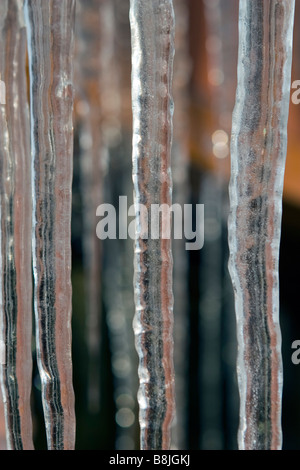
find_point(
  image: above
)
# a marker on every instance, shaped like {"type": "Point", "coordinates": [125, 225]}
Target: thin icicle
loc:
{"type": "Point", "coordinates": [258, 148]}
{"type": "Point", "coordinates": [50, 43]}
{"type": "Point", "coordinates": [15, 233]}
{"type": "Point", "coordinates": [152, 32]}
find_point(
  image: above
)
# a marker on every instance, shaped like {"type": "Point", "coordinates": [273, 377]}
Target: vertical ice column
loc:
{"type": "Point", "coordinates": [258, 148]}
{"type": "Point", "coordinates": [152, 30]}
{"type": "Point", "coordinates": [15, 233]}
{"type": "Point", "coordinates": [50, 44]}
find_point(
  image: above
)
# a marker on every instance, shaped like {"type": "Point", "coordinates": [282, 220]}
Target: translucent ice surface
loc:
{"type": "Point", "coordinates": [152, 32]}
{"type": "Point", "coordinates": [15, 233]}
{"type": "Point", "coordinates": [258, 152]}
{"type": "Point", "coordinates": [50, 47]}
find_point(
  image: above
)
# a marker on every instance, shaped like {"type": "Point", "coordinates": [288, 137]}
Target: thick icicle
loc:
{"type": "Point", "coordinates": [152, 32]}
{"type": "Point", "coordinates": [50, 40]}
{"type": "Point", "coordinates": [15, 233]}
{"type": "Point", "coordinates": [258, 150]}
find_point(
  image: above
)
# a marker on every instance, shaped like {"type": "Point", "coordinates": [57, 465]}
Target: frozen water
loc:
{"type": "Point", "coordinates": [50, 47]}
{"type": "Point", "coordinates": [258, 152]}
{"type": "Point", "coordinates": [152, 32]}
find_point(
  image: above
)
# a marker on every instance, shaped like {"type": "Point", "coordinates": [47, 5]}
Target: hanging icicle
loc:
{"type": "Point", "coordinates": [15, 233]}
{"type": "Point", "coordinates": [152, 32]}
{"type": "Point", "coordinates": [258, 148]}
{"type": "Point", "coordinates": [50, 46]}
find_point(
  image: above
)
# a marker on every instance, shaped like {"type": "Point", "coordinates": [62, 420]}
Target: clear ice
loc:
{"type": "Point", "coordinates": [152, 33]}
{"type": "Point", "coordinates": [15, 233]}
{"type": "Point", "coordinates": [50, 29]}
{"type": "Point", "coordinates": [258, 153]}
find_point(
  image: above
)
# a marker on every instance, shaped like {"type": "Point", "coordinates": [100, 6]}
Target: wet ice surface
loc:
{"type": "Point", "coordinates": [50, 44]}
{"type": "Point", "coordinates": [152, 32]}
{"type": "Point", "coordinates": [258, 152]}
{"type": "Point", "coordinates": [15, 207]}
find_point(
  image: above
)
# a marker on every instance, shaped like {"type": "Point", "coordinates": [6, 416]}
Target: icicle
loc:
{"type": "Point", "coordinates": [258, 148]}
{"type": "Point", "coordinates": [152, 29]}
{"type": "Point", "coordinates": [15, 233]}
{"type": "Point", "coordinates": [181, 195]}
{"type": "Point", "coordinates": [50, 44]}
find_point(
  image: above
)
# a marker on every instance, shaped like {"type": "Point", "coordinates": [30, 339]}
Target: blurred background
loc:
{"type": "Point", "coordinates": [104, 356]}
